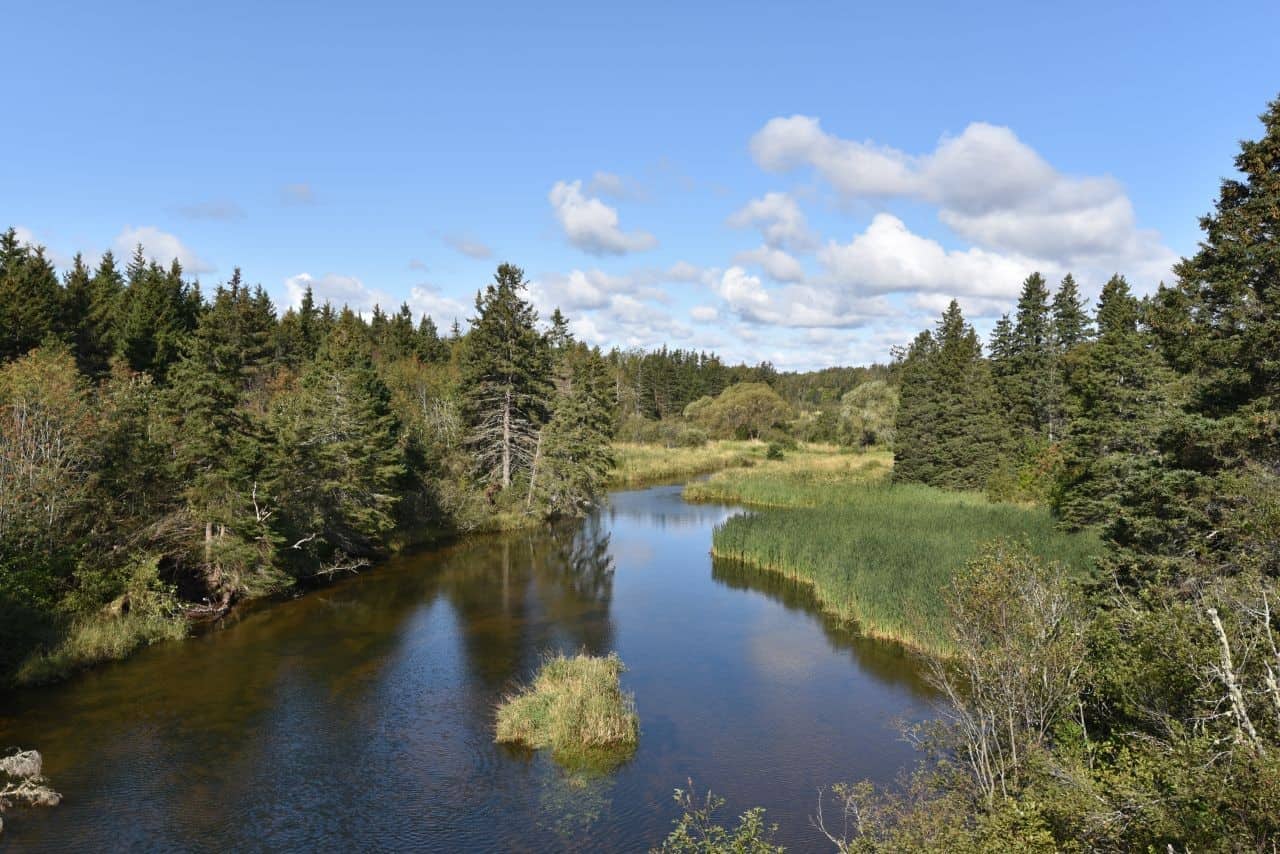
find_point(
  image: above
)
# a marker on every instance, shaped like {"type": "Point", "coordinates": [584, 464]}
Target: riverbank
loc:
{"type": "Point", "coordinates": [879, 554]}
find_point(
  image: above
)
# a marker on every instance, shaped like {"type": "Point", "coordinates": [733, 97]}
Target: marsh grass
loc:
{"type": "Point", "coordinates": [875, 553]}
{"type": "Point", "coordinates": [576, 708]}
{"type": "Point", "coordinates": [636, 464]}
{"type": "Point", "coordinates": [100, 638]}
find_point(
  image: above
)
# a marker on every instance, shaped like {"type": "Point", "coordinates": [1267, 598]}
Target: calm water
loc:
{"type": "Point", "coordinates": [359, 717]}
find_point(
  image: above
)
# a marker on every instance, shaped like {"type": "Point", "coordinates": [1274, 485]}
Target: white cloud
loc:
{"type": "Point", "coordinates": [161, 246]}
{"type": "Point", "coordinates": [854, 168]}
{"type": "Point", "coordinates": [889, 258]}
{"type": "Point", "coordinates": [443, 309]}
{"type": "Point", "coordinates": [780, 266]}
{"type": "Point", "coordinates": [990, 188]}
{"type": "Point", "coordinates": [795, 305]}
{"type": "Point", "coordinates": [339, 290]}
{"type": "Point", "coordinates": [468, 246]}
{"type": "Point", "coordinates": [28, 237]}
{"type": "Point", "coordinates": [591, 225]}
{"type": "Point", "coordinates": [704, 313]}
{"type": "Point", "coordinates": [780, 220]}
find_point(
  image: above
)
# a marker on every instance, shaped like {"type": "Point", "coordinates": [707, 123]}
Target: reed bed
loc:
{"type": "Point", "coordinates": [878, 554]}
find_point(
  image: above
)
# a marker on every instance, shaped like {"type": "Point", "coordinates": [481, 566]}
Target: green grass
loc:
{"type": "Point", "coordinates": [879, 554]}
{"type": "Point", "coordinates": [97, 639]}
{"type": "Point", "coordinates": [575, 707]}
{"type": "Point", "coordinates": [636, 464]}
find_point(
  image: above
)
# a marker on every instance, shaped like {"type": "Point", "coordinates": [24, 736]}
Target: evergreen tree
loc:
{"type": "Point", "coordinates": [30, 299]}
{"type": "Point", "coordinates": [429, 346]}
{"type": "Point", "coordinates": [156, 316]}
{"type": "Point", "coordinates": [340, 460]}
{"type": "Point", "coordinates": [574, 453]}
{"type": "Point", "coordinates": [948, 429]}
{"type": "Point", "coordinates": [1118, 393]}
{"type": "Point", "coordinates": [108, 289]}
{"type": "Point", "coordinates": [506, 379]}
{"type": "Point", "coordinates": [1030, 380]}
{"type": "Point", "coordinates": [1219, 324]}
{"type": "Point", "coordinates": [1071, 323]}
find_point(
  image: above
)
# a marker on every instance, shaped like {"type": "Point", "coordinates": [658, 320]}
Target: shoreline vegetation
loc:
{"type": "Point", "coordinates": [639, 464]}
{"type": "Point", "coordinates": [878, 554]}
{"type": "Point", "coordinates": [576, 708]}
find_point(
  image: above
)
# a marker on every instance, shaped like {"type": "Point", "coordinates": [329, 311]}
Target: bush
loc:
{"type": "Point", "coordinates": [774, 452]}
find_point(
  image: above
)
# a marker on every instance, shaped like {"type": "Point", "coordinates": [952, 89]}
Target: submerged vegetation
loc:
{"type": "Point", "coordinates": [575, 707]}
{"type": "Point", "coordinates": [875, 552]}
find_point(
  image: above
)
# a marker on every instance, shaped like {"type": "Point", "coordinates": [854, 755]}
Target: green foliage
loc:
{"type": "Point", "coordinates": [696, 831]}
{"type": "Point", "coordinates": [882, 555]}
{"type": "Point", "coordinates": [29, 297]}
{"type": "Point", "coordinates": [506, 380]}
{"type": "Point", "coordinates": [868, 413]}
{"type": "Point", "coordinates": [948, 431]}
{"type": "Point", "coordinates": [774, 451]}
{"type": "Point", "coordinates": [742, 411]}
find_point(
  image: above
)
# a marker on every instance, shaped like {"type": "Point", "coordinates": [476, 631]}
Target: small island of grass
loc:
{"type": "Point", "coordinates": [575, 707]}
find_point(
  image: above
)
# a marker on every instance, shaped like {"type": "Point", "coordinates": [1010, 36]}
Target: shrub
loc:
{"type": "Point", "coordinates": [774, 452]}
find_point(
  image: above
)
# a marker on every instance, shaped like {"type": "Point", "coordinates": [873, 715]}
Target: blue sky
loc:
{"type": "Point", "coordinates": [806, 183]}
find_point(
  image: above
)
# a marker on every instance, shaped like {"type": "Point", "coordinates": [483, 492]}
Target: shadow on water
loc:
{"type": "Point", "coordinates": [360, 716]}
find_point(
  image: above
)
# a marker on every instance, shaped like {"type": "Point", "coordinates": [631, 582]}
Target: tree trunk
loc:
{"type": "Point", "coordinates": [533, 472]}
{"type": "Point", "coordinates": [506, 441]}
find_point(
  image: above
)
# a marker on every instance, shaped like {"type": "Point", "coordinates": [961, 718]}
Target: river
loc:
{"type": "Point", "coordinates": [359, 716]}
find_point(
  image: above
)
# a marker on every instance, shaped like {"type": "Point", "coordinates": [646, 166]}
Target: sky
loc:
{"type": "Point", "coordinates": [803, 183]}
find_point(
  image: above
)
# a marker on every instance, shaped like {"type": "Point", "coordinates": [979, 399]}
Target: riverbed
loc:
{"type": "Point", "coordinates": [360, 716]}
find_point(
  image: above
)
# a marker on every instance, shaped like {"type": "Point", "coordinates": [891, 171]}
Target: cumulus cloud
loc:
{"type": "Point", "coordinates": [468, 246]}
{"type": "Point", "coordinates": [339, 290]}
{"type": "Point", "coordinates": [297, 194]}
{"type": "Point", "coordinates": [214, 209]}
{"type": "Point", "coordinates": [795, 305]}
{"type": "Point", "coordinates": [442, 308]}
{"type": "Point", "coordinates": [28, 237]}
{"type": "Point", "coordinates": [591, 225]}
{"type": "Point", "coordinates": [161, 246]}
{"type": "Point", "coordinates": [889, 258]}
{"type": "Point", "coordinates": [704, 313]}
{"type": "Point", "coordinates": [780, 220]}
{"type": "Point", "coordinates": [780, 266]}
{"type": "Point", "coordinates": [990, 188]}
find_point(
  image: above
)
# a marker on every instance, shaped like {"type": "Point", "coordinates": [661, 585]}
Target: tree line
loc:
{"type": "Point", "coordinates": [163, 455]}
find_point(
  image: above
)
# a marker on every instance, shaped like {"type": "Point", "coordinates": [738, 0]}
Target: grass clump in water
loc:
{"type": "Point", "coordinates": [576, 708]}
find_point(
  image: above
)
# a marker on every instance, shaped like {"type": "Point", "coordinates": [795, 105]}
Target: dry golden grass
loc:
{"type": "Point", "coordinates": [576, 708]}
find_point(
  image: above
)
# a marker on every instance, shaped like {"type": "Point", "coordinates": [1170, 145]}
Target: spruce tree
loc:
{"type": "Point", "coordinates": [574, 453]}
{"type": "Point", "coordinates": [1071, 323]}
{"type": "Point", "coordinates": [1220, 325]}
{"type": "Point", "coordinates": [340, 461]}
{"type": "Point", "coordinates": [30, 298]}
{"type": "Point", "coordinates": [506, 379]}
{"type": "Point", "coordinates": [948, 428]}
{"type": "Point", "coordinates": [1118, 393]}
{"type": "Point", "coordinates": [1032, 363]}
